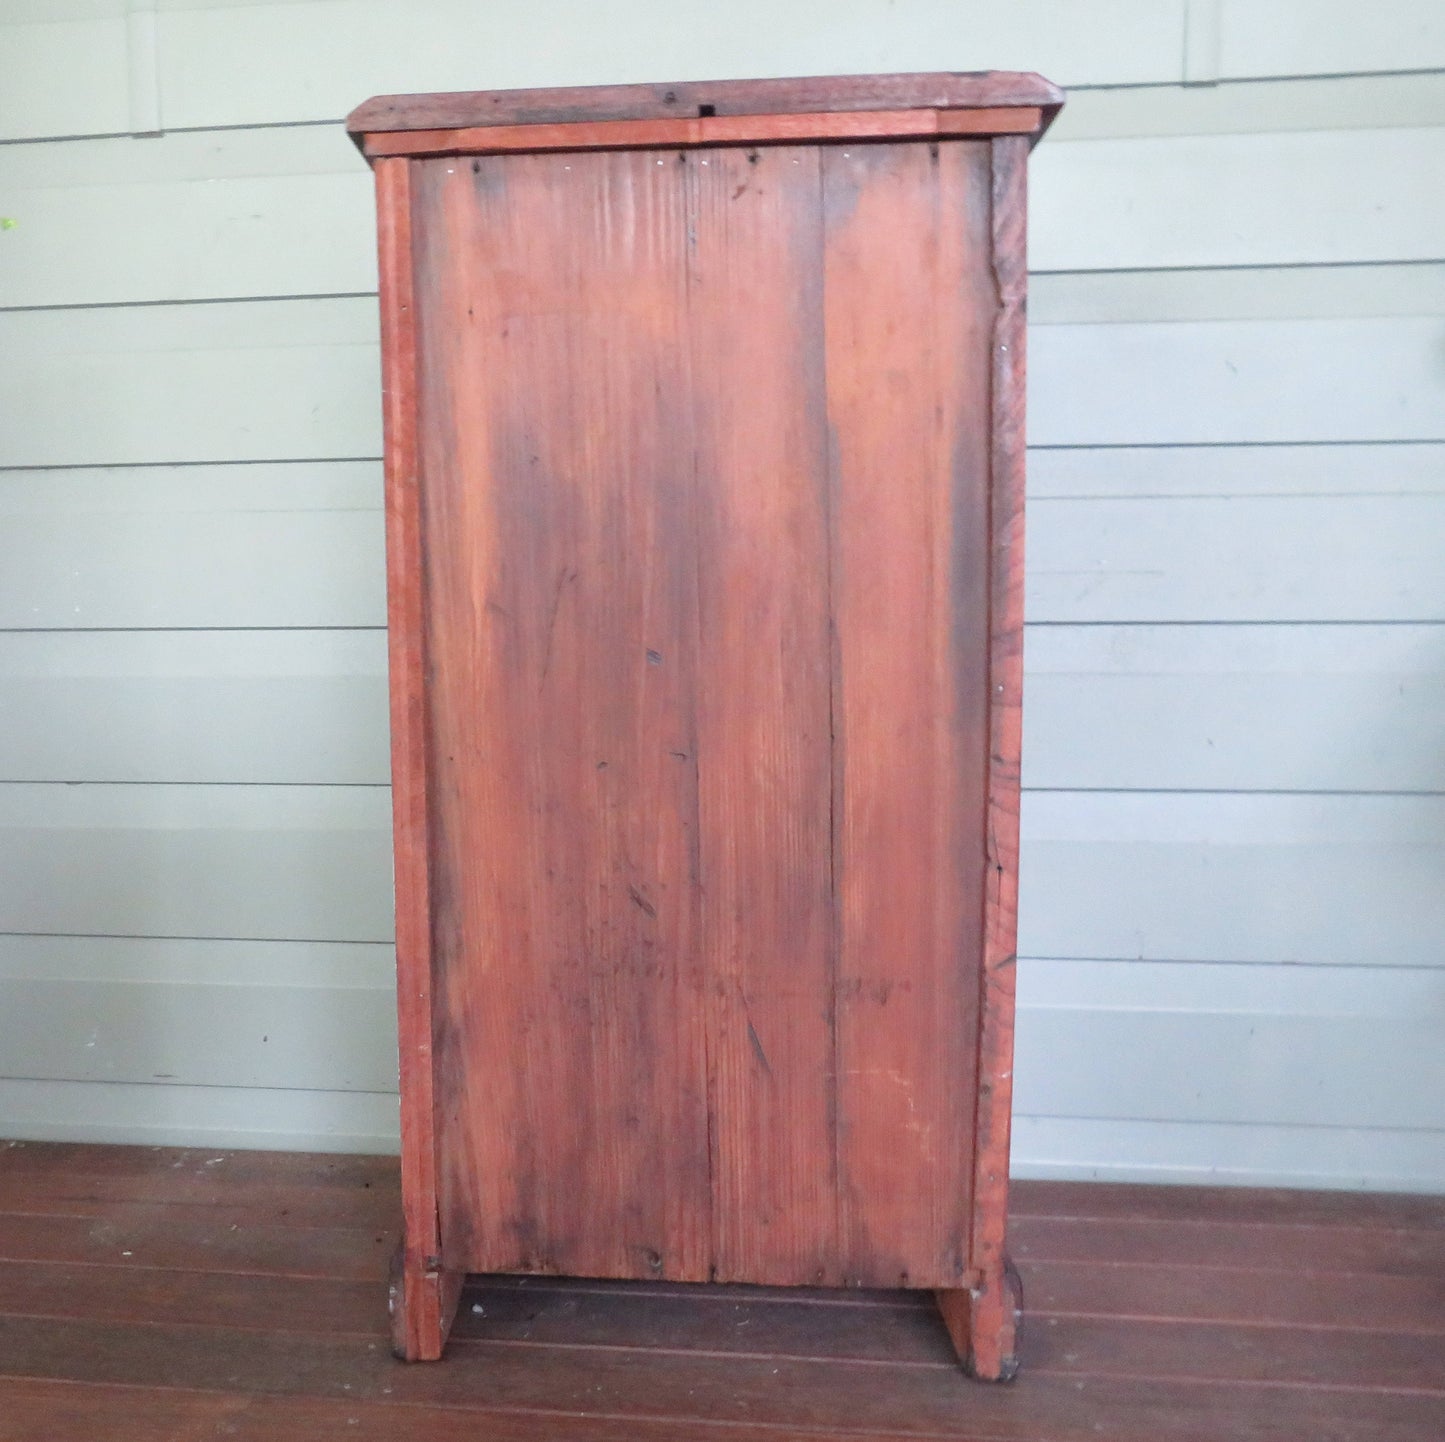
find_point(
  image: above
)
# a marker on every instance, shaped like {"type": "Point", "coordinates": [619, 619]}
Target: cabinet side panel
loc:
{"type": "Point", "coordinates": [556, 435]}
{"type": "Point", "coordinates": [755, 312]}
{"type": "Point", "coordinates": [405, 641]}
{"type": "Point", "coordinates": [1005, 692]}
{"type": "Point", "coordinates": [908, 298]}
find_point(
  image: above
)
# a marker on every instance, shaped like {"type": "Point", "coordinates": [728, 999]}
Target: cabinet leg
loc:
{"type": "Point", "coordinates": [983, 1324]}
{"type": "Point", "coordinates": [423, 1304]}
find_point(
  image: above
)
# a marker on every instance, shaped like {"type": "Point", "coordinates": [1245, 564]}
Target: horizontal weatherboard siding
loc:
{"type": "Point", "coordinates": [288, 211]}
{"type": "Point", "coordinates": [162, 1112]}
{"type": "Point", "coordinates": [1166, 708]}
{"type": "Point", "coordinates": [1157, 557]}
{"type": "Point", "coordinates": [1235, 662]}
{"type": "Point", "coordinates": [1299, 558]}
{"type": "Point", "coordinates": [1300, 1048]}
{"type": "Point", "coordinates": [1267, 878]}
{"type": "Point", "coordinates": [216, 63]}
{"type": "Point", "coordinates": [1352, 707]}
{"type": "Point", "coordinates": [300, 863]}
{"type": "Point", "coordinates": [1104, 874]}
{"type": "Point", "coordinates": [184, 383]}
{"type": "Point", "coordinates": [297, 706]}
{"type": "Point", "coordinates": [340, 1039]}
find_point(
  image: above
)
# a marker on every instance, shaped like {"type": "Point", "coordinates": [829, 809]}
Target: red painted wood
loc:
{"type": "Point", "coordinates": [689, 99]}
{"type": "Point", "coordinates": [907, 280]}
{"type": "Point", "coordinates": [419, 1328]}
{"type": "Point", "coordinates": [762, 732]}
{"type": "Point", "coordinates": [705, 131]}
{"type": "Point", "coordinates": [705, 468]}
{"type": "Point", "coordinates": [561, 621]}
{"type": "Point", "coordinates": [994, 1301]}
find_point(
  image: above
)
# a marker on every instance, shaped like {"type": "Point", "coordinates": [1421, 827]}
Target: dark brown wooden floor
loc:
{"type": "Point", "coordinates": [178, 1295]}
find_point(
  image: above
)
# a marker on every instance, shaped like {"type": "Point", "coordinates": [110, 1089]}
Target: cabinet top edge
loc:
{"type": "Point", "coordinates": [690, 99]}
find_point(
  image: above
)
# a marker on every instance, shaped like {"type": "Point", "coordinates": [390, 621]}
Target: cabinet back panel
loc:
{"type": "Point", "coordinates": [703, 454]}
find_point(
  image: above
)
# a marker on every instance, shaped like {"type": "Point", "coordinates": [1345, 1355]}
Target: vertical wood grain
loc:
{"type": "Point", "coordinates": [992, 1320]}
{"type": "Point", "coordinates": [707, 542]}
{"type": "Point", "coordinates": [418, 1321]}
{"type": "Point", "coordinates": [563, 624]}
{"type": "Point", "coordinates": [755, 317]}
{"type": "Point", "coordinates": [908, 295]}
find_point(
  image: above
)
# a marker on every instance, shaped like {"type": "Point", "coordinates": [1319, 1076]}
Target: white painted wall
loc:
{"type": "Point", "coordinates": [1233, 928]}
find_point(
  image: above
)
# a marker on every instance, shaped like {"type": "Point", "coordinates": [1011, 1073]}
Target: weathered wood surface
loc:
{"type": "Point", "coordinates": [594, 104]}
{"type": "Point", "coordinates": [706, 131]}
{"type": "Point", "coordinates": [909, 307]}
{"type": "Point", "coordinates": [422, 1300]}
{"type": "Point", "coordinates": [995, 1301]}
{"type": "Point", "coordinates": [708, 657]}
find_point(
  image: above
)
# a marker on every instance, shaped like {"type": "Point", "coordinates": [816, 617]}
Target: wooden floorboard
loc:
{"type": "Point", "coordinates": [1244, 1205]}
{"type": "Point", "coordinates": [150, 1237]}
{"type": "Point", "coordinates": [149, 1294]}
{"type": "Point", "coordinates": [1377, 1250]}
{"type": "Point", "coordinates": [1251, 1298]}
{"type": "Point", "coordinates": [144, 1296]}
{"type": "Point", "coordinates": [294, 1189]}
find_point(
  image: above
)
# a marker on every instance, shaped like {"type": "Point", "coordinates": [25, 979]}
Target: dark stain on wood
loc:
{"type": "Point", "coordinates": [802, 96]}
{"type": "Point", "coordinates": [705, 473]}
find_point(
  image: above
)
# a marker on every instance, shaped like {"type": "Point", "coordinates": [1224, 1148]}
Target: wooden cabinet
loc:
{"type": "Point", "coordinates": [704, 475]}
